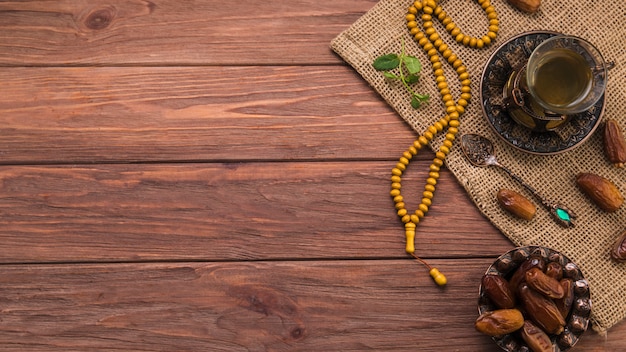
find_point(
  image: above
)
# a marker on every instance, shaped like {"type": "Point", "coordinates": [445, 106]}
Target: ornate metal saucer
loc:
{"type": "Point", "coordinates": [506, 59]}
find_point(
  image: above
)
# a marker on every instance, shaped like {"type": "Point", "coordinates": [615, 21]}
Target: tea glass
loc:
{"type": "Point", "coordinates": [566, 75]}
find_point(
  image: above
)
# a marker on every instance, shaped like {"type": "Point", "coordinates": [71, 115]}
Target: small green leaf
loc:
{"type": "Point", "coordinates": [390, 75]}
{"type": "Point", "coordinates": [386, 62]}
{"type": "Point", "coordinates": [413, 65]}
{"type": "Point", "coordinates": [415, 102]}
{"type": "Point", "coordinates": [410, 79]}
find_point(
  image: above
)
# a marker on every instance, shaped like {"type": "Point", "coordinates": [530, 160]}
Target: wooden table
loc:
{"type": "Point", "coordinates": [208, 175]}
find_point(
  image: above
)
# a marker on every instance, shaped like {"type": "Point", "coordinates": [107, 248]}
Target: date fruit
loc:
{"type": "Point", "coordinates": [520, 274]}
{"type": "Point", "coordinates": [600, 190]}
{"type": "Point", "coordinates": [497, 289]}
{"type": "Point", "coordinates": [544, 284]}
{"type": "Point", "coordinates": [565, 304]}
{"type": "Point", "coordinates": [541, 310]}
{"type": "Point", "coordinates": [516, 204]}
{"type": "Point", "coordinates": [499, 322]}
{"type": "Point", "coordinates": [619, 248]}
{"type": "Point", "coordinates": [530, 6]}
{"type": "Point", "coordinates": [555, 270]}
{"type": "Point", "coordinates": [614, 143]}
{"type": "Point", "coordinates": [535, 338]}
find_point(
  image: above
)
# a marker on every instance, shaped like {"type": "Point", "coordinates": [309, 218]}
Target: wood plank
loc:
{"type": "Point", "coordinates": [235, 211]}
{"type": "Point", "coordinates": [160, 32]}
{"type": "Point", "coordinates": [135, 114]}
{"type": "Point", "coordinates": [381, 305]}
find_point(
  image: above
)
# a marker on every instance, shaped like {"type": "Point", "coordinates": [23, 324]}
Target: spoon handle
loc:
{"type": "Point", "coordinates": [560, 213]}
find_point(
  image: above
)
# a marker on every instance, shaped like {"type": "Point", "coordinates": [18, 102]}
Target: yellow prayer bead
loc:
{"type": "Point", "coordinates": [433, 37]}
{"type": "Point", "coordinates": [485, 5]}
{"type": "Point", "coordinates": [464, 75]}
{"type": "Point", "coordinates": [423, 140]}
{"type": "Point", "coordinates": [450, 26]}
{"type": "Point", "coordinates": [394, 192]}
{"type": "Point", "coordinates": [434, 59]}
{"type": "Point", "coordinates": [440, 78]}
{"type": "Point", "coordinates": [444, 91]}
{"type": "Point", "coordinates": [427, 194]}
{"type": "Point", "coordinates": [480, 43]}
{"type": "Point", "coordinates": [427, 202]}
{"type": "Point", "coordinates": [416, 218]}
{"type": "Point", "coordinates": [406, 219]}
{"type": "Point", "coordinates": [407, 155]}
{"type": "Point", "coordinates": [438, 72]}
{"type": "Point", "coordinates": [436, 65]}
{"type": "Point", "coordinates": [432, 129]}
{"type": "Point", "coordinates": [466, 82]}
{"type": "Point", "coordinates": [486, 40]}
{"type": "Point", "coordinates": [427, 24]}
{"type": "Point", "coordinates": [494, 22]}
{"type": "Point", "coordinates": [440, 155]}
{"type": "Point", "coordinates": [457, 63]}
{"type": "Point", "coordinates": [419, 213]}
{"type": "Point", "coordinates": [399, 205]}
{"type": "Point", "coordinates": [442, 85]}
{"type": "Point", "coordinates": [446, 98]}
{"type": "Point", "coordinates": [427, 17]}
{"type": "Point", "coordinates": [430, 180]}
{"type": "Point", "coordinates": [460, 109]}
{"type": "Point", "coordinates": [455, 32]}
{"type": "Point", "coordinates": [466, 40]}
{"type": "Point", "coordinates": [438, 126]}
{"type": "Point", "coordinates": [398, 199]}
{"type": "Point", "coordinates": [410, 17]}
{"type": "Point", "coordinates": [402, 212]}
{"type": "Point", "coordinates": [411, 24]}
{"type": "Point", "coordinates": [443, 47]}
{"type": "Point", "coordinates": [434, 167]}
{"type": "Point", "coordinates": [451, 109]}
{"type": "Point", "coordinates": [459, 37]}
{"type": "Point", "coordinates": [429, 188]}
{"type": "Point", "coordinates": [429, 136]}
{"type": "Point", "coordinates": [412, 150]}
{"type": "Point", "coordinates": [472, 42]}
{"type": "Point", "coordinates": [432, 52]}
{"type": "Point", "coordinates": [461, 69]}
{"type": "Point", "coordinates": [454, 123]}
{"type": "Point", "coordinates": [435, 174]}
{"type": "Point", "coordinates": [492, 34]}
{"type": "Point", "coordinates": [447, 143]}
{"type": "Point", "coordinates": [453, 130]}
{"type": "Point", "coordinates": [423, 207]}
{"type": "Point", "coordinates": [492, 15]}
{"type": "Point", "coordinates": [450, 136]}
{"type": "Point", "coordinates": [396, 178]}
{"type": "Point", "coordinates": [400, 166]}
{"type": "Point", "coordinates": [430, 31]}
{"type": "Point", "coordinates": [397, 172]}
{"type": "Point", "coordinates": [423, 41]}
{"type": "Point", "coordinates": [446, 53]}
{"type": "Point", "coordinates": [428, 10]}
{"type": "Point", "coordinates": [452, 58]}
{"type": "Point", "coordinates": [462, 102]}
{"type": "Point", "coordinates": [494, 28]}
{"type": "Point", "coordinates": [404, 160]}
{"type": "Point", "coordinates": [444, 149]}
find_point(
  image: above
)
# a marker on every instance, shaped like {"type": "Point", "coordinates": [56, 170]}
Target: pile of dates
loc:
{"type": "Point", "coordinates": [534, 299]}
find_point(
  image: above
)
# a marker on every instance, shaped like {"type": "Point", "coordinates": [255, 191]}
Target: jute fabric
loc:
{"type": "Point", "coordinates": [382, 30]}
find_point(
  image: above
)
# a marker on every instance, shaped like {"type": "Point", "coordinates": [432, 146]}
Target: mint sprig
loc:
{"type": "Point", "coordinates": [404, 68]}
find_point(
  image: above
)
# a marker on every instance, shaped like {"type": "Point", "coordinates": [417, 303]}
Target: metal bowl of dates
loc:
{"type": "Point", "coordinates": [549, 291]}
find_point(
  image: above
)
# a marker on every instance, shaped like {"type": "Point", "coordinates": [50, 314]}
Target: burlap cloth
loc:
{"type": "Point", "coordinates": [380, 31]}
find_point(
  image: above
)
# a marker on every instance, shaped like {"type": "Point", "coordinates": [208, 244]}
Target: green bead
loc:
{"type": "Point", "coordinates": [563, 215]}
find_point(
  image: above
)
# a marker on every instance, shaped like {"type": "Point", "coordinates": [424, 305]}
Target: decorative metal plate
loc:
{"type": "Point", "coordinates": [509, 56]}
{"type": "Point", "coordinates": [577, 320]}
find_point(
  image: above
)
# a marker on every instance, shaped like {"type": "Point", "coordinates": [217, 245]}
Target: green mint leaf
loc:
{"type": "Point", "coordinates": [410, 79]}
{"type": "Point", "coordinates": [422, 97]}
{"type": "Point", "coordinates": [386, 62]}
{"type": "Point", "coordinates": [415, 102]}
{"type": "Point", "coordinates": [413, 65]}
{"type": "Point", "coordinates": [390, 75]}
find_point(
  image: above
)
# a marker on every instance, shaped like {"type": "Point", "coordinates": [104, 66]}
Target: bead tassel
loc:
{"type": "Point", "coordinates": [433, 45]}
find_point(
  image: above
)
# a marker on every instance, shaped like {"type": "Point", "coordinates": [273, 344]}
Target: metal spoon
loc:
{"type": "Point", "coordinates": [480, 152]}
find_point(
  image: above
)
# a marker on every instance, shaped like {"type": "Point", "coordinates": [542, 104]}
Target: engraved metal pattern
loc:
{"type": "Point", "coordinates": [511, 56]}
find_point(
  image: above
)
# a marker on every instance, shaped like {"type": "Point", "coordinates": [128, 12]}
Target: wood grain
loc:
{"type": "Point", "coordinates": [161, 32]}
{"type": "Point", "coordinates": [226, 212]}
{"type": "Point", "coordinates": [257, 306]}
{"type": "Point", "coordinates": [91, 115]}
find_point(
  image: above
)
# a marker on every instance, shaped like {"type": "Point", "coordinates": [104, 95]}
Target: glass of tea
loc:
{"type": "Point", "coordinates": [566, 75]}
